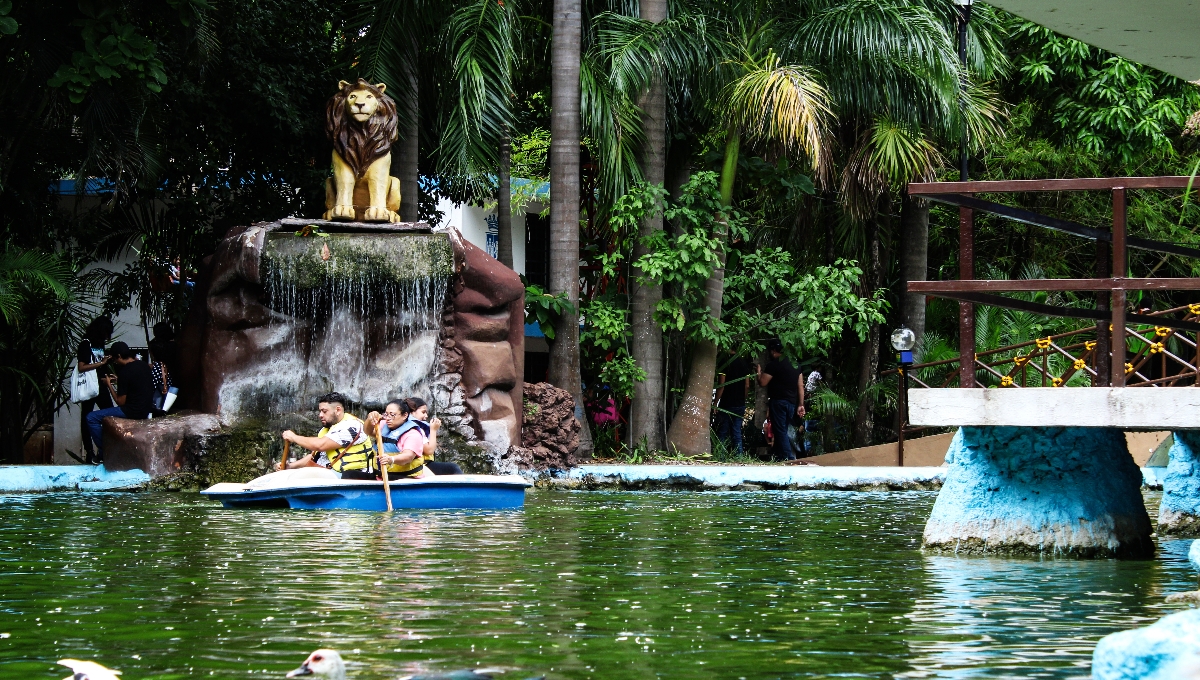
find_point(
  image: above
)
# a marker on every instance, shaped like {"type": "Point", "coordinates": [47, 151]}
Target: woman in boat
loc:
{"type": "Point", "coordinates": [419, 414]}
{"type": "Point", "coordinates": [401, 441]}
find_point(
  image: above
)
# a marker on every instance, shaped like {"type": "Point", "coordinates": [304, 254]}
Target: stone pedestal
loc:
{"type": "Point", "coordinates": [1179, 512]}
{"type": "Point", "coordinates": [1068, 491]}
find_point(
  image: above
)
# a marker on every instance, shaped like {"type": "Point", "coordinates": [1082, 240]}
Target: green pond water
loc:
{"type": "Point", "coordinates": [577, 585]}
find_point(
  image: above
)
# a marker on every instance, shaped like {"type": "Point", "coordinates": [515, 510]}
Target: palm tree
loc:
{"type": "Point", "coordinates": [646, 413]}
{"type": "Point", "coordinates": [565, 106]}
{"type": "Point", "coordinates": [768, 102]}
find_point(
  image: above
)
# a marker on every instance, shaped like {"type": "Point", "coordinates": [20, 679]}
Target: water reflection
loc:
{"type": "Point", "coordinates": [620, 585]}
{"type": "Point", "coordinates": [1028, 618]}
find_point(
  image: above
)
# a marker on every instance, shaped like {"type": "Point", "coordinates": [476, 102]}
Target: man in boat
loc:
{"type": "Point", "coordinates": [342, 445]}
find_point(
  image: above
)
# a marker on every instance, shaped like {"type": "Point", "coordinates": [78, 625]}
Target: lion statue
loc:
{"type": "Point", "coordinates": [360, 120]}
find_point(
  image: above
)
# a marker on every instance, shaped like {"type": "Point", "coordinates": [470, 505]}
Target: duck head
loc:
{"type": "Point", "coordinates": [87, 670]}
{"type": "Point", "coordinates": [323, 663]}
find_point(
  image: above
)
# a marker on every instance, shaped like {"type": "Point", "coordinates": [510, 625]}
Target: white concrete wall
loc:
{"type": "Point", "coordinates": [1126, 408]}
{"type": "Point", "coordinates": [472, 221]}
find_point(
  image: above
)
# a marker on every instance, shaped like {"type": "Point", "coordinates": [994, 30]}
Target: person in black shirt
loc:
{"type": "Point", "coordinates": [734, 383]}
{"type": "Point", "coordinates": [134, 394]}
{"type": "Point", "coordinates": [785, 397]}
{"type": "Point", "coordinates": [90, 356]}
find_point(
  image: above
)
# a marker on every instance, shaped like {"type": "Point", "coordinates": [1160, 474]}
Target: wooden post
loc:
{"type": "Point", "coordinates": [1103, 361]}
{"type": "Point", "coordinates": [966, 310]}
{"type": "Point", "coordinates": [1119, 270]}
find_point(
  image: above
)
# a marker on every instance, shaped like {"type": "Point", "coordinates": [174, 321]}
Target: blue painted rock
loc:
{"type": "Point", "coordinates": [1072, 491]}
{"type": "Point", "coordinates": [1179, 511]}
{"type": "Point", "coordinates": [1167, 650]}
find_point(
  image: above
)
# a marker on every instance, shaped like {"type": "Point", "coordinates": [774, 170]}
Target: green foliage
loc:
{"type": "Point", "coordinates": [26, 274]}
{"type": "Point", "coordinates": [545, 309]}
{"type": "Point", "coordinates": [1101, 103]}
{"type": "Point", "coordinates": [767, 296]}
{"type": "Point", "coordinates": [621, 373]}
{"type": "Point", "coordinates": [8, 25]}
{"type": "Point", "coordinates": [44, 314]}
{"type": "Point", "coordinates": [112, 48]}
{"type": "Point", "coordinates": [606, 324]}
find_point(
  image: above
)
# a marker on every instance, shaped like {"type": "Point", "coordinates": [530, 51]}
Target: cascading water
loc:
{"type": "Point", "coordinates": [355, 313]}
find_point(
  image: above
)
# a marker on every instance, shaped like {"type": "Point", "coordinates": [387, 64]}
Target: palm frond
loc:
{"type": "Point", "coordinates": [30, 267]}
{"type": "Point", "coordinates": [889, 155]}
{"type": "Point", "coordinates": [784, 104]}
{"type": "Point", "coordinates": [479, 41]}
{"type": "Point", "coordinates": [613, 123]}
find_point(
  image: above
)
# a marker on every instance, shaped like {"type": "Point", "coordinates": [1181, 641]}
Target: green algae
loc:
{"type": "Point", "coordinates": [397, 258]}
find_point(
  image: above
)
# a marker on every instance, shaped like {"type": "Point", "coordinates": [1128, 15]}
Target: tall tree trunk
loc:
{"type": "Point", "coordinates": [864, 418]}
{"type": "Point", "coordinates": [646, 413]}
{"type": "Point", "coordinates": [408, 146]}
{"type": "Point", "coordinates": [564, 203]}
{"type": "Point", "coordinates": [914, 259]}
{"type": "Point", "coordinates": [504, 239]}
{"type": "Point", "coordinates": [689, 433]}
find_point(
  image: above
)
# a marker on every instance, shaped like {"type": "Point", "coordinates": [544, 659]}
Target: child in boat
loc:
{"type": "Point", "coordinates": [419, 414]}
{"type": "Point", "coordinates": [401, 441]}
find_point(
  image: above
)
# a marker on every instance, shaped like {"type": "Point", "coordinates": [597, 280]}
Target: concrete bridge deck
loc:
{"type": "Point", "coordinates": [1124, 408]}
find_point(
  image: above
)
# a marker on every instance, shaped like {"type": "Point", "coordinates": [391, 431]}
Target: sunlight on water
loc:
{"type": "Point", "coordinates": [578, 585]}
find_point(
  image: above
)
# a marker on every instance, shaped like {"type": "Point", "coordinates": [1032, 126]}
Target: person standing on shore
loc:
{"type": "Point", "coordinates": [91, 357]}
{"type": "Point", "coordinates": [734, 384]}
{"type": "Point", "coordinates": [785, 398]}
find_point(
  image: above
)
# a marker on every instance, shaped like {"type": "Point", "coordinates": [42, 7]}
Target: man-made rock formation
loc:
{"type": "Point", "coordinates": [1167, 650]}
{"type": "Point", "coordinates": [189, 451]}
{"type": "Point", "coordinates": [286, 311]}
{"type": "Point", "coordinates": [1055, 490]}
{"type": "Point", "coordinates": [1179, 512]}
{"type": "Point", "coordinates": [550, 434]}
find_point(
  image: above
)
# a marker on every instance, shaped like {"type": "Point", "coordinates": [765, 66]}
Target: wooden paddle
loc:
{"type": "Point", "coordinates": [387, 487]}
{"type": "Point", "coordinates": [286, 448]}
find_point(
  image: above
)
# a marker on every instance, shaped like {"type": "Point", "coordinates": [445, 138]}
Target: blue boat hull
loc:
{"type": "Point", "coordinates": [459, 492]}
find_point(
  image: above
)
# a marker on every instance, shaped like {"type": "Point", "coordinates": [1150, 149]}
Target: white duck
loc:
{"type": "Point", "coordinates": [325, 664]}
{"type": "Point", "coordinates": [88, 670]}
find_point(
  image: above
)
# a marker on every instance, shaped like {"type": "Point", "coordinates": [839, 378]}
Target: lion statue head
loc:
{"type": "Point", "coordinates": [360, 120]}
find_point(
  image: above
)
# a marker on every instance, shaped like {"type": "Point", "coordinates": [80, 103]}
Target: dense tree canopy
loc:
{"type": "Point", "coordinates": [786, 135]}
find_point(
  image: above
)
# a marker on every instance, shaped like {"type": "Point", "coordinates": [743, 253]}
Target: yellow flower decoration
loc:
{"type": "Point", "coordinates": [1089, 345]}
{"type": "Point", "coordinates": [1194, 310]}
{"type": "Point", "coordinates": [1156, 348]}
{"type": "Point", "coordinates": [1043, 343]}
{"type": "Point", "coordinates": [1162, 331]}
{"type": "Point", "coordinates": [1006, 381]}
{"type": "Point", "coordinates": [1020, 361]}
{"type": "Point", "coordinates": [1080, 364]}
{"type": "Point", "coordinates": [1128, 368]}
{"type": "Point", "coordinates": [1057, 382]}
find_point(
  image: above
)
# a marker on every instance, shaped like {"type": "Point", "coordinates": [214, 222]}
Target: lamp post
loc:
{"type": "Point", "coordinates": [964, 18]}
{"type": "Point", "coordinates": [903, 340]}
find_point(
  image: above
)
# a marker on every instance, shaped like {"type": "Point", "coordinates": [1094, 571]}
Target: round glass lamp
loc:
{"type": "Point", "coordinates": [903, 339]}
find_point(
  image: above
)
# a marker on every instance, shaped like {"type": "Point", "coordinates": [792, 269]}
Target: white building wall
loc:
{"type": "Point", "coordinates": [472, 222]}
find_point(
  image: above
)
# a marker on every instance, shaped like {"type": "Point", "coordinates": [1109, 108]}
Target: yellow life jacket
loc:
{"type": "Point", "coordinates": [390, 445]}
{"type": "Point", "coordinates": [360, 456]}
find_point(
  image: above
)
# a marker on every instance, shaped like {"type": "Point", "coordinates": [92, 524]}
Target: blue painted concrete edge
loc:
{"type": "Point", "coordinates": [38, 478]}
{"type": "Point", "coordinates": [732, 475]}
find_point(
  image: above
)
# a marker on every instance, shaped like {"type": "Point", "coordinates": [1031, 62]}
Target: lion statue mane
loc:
{"type": "Point", "coordinates": [361, 122]}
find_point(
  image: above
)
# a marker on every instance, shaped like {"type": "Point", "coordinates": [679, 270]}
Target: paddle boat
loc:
{"type": "Point", "coordinates": [318, 488]}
